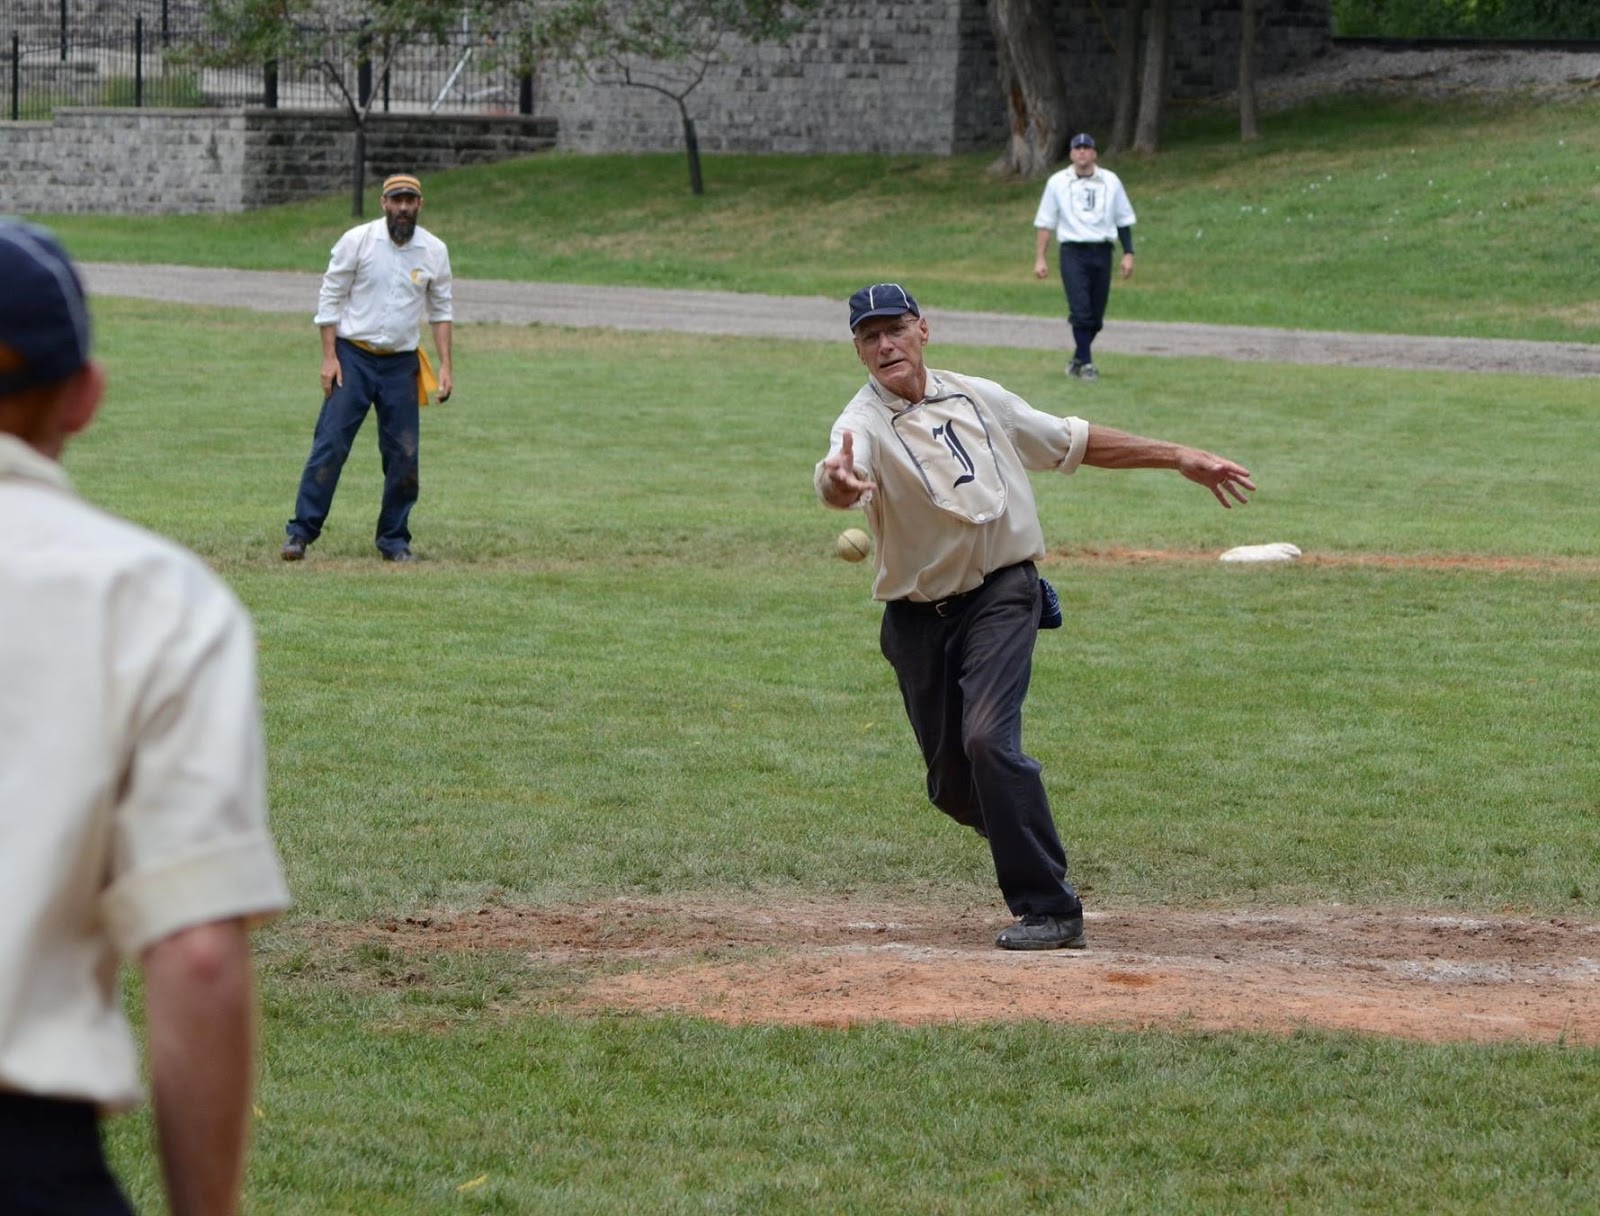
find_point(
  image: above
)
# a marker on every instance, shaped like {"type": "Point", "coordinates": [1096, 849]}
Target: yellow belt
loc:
{"type": "Point", "coordinates": [427, 382]}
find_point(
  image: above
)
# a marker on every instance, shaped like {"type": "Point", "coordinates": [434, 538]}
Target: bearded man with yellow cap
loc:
{"type": "Point", "coordinates": [383, 279]}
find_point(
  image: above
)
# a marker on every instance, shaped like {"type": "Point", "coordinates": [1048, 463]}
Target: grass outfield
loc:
{"type": "Point", "coordinates": [627, 664]}
{"type": "Point", "coordinates": [1461, 218]}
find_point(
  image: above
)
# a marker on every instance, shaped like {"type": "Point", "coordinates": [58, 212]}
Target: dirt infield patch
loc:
{"type": "Point", "coordinates": [838, 963]}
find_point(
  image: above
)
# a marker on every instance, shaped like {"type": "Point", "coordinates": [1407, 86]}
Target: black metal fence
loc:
{"type": "Point", "coordinates": [143, 53]}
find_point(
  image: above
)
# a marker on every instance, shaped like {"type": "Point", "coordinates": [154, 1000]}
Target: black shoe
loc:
{"type": "Point", "coordinates": [1035, 932]}
{"type": "Point", "coordinates": [294, 549]}
{"type": "Point", "coordinates": [398, 555]}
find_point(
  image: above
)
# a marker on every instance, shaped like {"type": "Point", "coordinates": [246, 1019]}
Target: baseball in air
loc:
{"type": "Point", "coordinates": [853, 544]}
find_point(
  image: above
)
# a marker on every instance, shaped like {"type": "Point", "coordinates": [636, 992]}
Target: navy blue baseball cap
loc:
{"type": "Point", "coordinates": [881, 300]}
{"type": "Point", "coordinates": [44, 319]}
{"type": "Point", "coordinates": [1083, 140]}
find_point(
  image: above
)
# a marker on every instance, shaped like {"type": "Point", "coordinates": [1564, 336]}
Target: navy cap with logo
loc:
{"type": "Point", "coordinates": [881, 300]}
{"type": "Point", "coordinates": [44, 320]}
{"type": "Point", "coordinates": [1083, 140]}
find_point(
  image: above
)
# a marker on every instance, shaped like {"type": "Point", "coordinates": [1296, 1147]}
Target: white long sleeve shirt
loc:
{"type": "Point", "coordinates": [379, 293]}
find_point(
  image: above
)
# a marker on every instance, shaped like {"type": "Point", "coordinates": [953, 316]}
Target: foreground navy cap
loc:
{"type": "Point", "coordinates": [1083, 140]}
{"type": "Point", "coordinates": [44, 322]}
{"type": "Point", "coordinates": [881, 300]}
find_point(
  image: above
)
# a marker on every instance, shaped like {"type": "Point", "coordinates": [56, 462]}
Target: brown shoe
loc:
{"type": "Point", "coordinates": [294, 549]}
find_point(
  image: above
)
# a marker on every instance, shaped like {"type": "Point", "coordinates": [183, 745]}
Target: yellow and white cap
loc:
{"type": "Point", "coordinates": [401, 183]}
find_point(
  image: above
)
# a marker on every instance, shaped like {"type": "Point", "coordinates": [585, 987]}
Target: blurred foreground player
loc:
{"type": "Point", "coordinates": [132, 801]}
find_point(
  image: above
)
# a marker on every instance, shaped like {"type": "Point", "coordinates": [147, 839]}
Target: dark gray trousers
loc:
{"type": "Point", "coordinates": [963, 670]}
{"type": "Point", "coordinates": [51, 1162]}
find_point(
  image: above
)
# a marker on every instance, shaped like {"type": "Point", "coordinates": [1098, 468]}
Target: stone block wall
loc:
{"type": "Point", "coordinates": [297, 154]}
{"type": "Point", "coordinates": [125, 161]}
{"type": "Point", "coordinates": [869, 77]}
{"type": "Point", "coordinates": [187, 161]}
{"type": "Point", "coordinates": [914, 76]}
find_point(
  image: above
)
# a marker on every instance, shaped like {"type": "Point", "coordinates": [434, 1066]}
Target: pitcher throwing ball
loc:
{"type": "Point", "coordinates": [938, 461]}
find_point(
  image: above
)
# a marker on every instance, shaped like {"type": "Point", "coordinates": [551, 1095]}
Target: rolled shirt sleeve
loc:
{"type": "Point", "coordinates": [189, 839]}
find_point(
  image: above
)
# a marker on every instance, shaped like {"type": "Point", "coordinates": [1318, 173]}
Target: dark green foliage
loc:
{"type": "Point", "coordinates": [1510, 19]}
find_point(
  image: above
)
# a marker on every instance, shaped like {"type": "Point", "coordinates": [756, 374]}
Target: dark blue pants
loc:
{"type": "Point", "coordinates": [387, 383]}
{"type": "Point", "coordinates": [963, 678]}
{"type": "Point", "coordinates": [1086, 276]}
{"type": "Point", "coordinates": [51, 1162]}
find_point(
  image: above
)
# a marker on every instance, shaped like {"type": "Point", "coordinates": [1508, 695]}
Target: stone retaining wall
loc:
{"type": "Point", "coordinates": [872, 76]}
{"type": "Point", "coordinates": [914, 76]}
{"type": "Point", "coordinates": [190, 161]}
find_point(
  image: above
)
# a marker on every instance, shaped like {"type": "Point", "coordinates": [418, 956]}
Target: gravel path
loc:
{"type": "Point", "coordinates": [739, 315]}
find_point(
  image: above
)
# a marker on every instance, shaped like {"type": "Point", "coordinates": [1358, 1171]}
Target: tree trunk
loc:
{"type": "Point", "coordinates": [1153, 98]}
{"type": "Point", "coordinates": [1249, 121]}
{"type": "Point", "coordinates": [691, 146]}
{"type": "Point", "coordinates": [1030, 79]}
{"type": "Point", "coordinates": [358, 202]}
{"type": "Point", "coordinates": [1127, 76]}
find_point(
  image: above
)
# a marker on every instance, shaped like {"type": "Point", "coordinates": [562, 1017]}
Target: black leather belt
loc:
{"type": "Point", "coordinates": [948, 606]}
{"type": "Point", "coordinates": [952, 604]}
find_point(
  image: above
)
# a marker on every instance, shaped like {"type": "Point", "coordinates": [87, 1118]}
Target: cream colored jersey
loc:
{"type": "Point", "coordinates": [1082, 209]}
{"type": "Point", "coordinates": [132, 776]}
{"type": "Point", "coordinates": [953, 502]}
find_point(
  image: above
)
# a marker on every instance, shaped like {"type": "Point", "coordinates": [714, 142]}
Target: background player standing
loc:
{"type": "Point", "coordinates": [382, 279]}
{"type": "Point", "coordinates": [1086, 208]}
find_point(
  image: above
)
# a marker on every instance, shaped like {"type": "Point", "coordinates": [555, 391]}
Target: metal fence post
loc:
{"type": "Point", "coordinates": [270, 82]}
{"type": "Point", "coordinates": [63, 31]}
{"type": "Point", "coordinates": [138, 61]}
{"type": "Point", "coordinates": [525, 94]}
{"type": "Point", "coordinates": [16, 76]}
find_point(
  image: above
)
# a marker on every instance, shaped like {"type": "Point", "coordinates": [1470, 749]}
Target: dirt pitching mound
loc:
{"type": "Point", "coordinates": [837, 963]}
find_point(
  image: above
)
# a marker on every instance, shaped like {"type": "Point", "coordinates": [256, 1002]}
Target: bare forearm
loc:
{"type": "Point", "coordinates": [441, 343]}
{"type": "Point", "coordinates": [1113, 449]}
{"type": "Point", "coordinates": [201, 1012]}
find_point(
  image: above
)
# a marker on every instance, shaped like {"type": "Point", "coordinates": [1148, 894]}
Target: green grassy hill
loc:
{"type": "Point", "coordinates": [1466, 218]}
